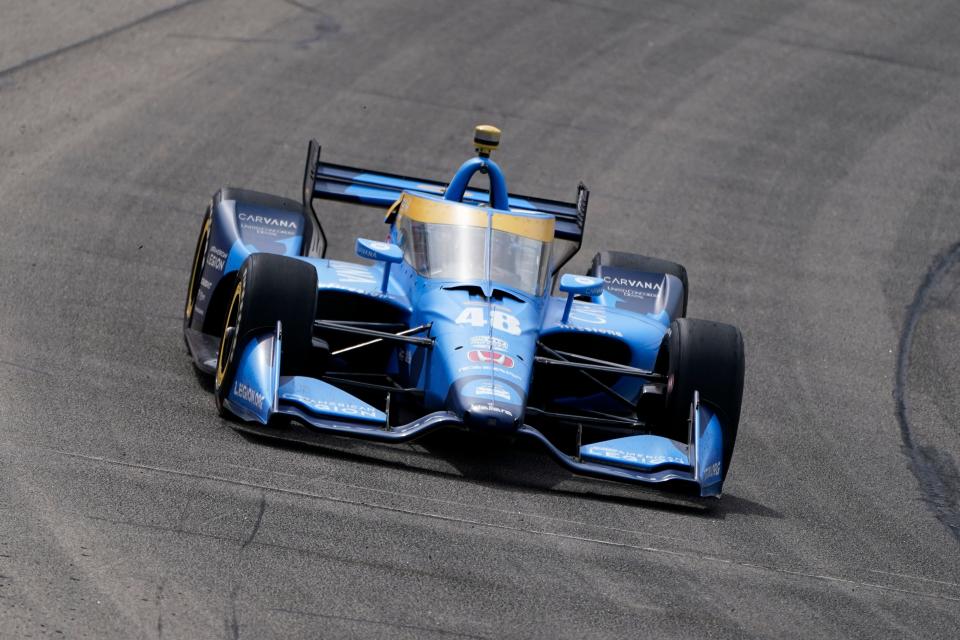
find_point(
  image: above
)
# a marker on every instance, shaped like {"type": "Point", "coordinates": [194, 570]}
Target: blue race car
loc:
{"type": "Point", "coordinates": [453, 325]}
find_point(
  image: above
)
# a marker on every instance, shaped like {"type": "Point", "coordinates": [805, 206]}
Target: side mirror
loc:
{"type": "Point", "coordinates": [384, 252]}
{"type": "Point", "coordinates": [574, 285]}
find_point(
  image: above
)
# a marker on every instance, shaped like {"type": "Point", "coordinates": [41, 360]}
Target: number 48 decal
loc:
{"type": "Point", "coordinates": [499, 320]}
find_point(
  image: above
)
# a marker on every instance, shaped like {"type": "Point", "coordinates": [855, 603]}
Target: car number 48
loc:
{"type": "Point", "coordinates": [499, 320]}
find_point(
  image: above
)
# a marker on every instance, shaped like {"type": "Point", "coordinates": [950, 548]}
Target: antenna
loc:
{"type": "Point", "coordinates": [486, 138]}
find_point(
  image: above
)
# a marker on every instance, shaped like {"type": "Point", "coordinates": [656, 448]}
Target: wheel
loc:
{"type": "Point", "coordinates": [269, 288]}
{"type": "Point", "coordinates": [707, 357]}
{"type": "Point", "coordinates": [641, 264]}
{"type": "Point", "coordinates": [199, 257]}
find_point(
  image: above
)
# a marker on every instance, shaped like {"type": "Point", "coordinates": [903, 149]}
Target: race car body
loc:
{"type": "Point", "coordinates": [453, 325]}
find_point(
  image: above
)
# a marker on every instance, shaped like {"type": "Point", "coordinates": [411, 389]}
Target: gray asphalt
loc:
{"type": "Point", "coordinates": [800, 158]}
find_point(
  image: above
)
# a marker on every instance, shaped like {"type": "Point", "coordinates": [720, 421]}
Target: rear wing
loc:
{"type": "Point", "coordinates": [327, 181]}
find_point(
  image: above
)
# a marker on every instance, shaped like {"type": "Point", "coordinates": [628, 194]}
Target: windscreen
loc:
{"type": "Point", "coordinates": [519, 262]}
{"type": "Point", "coordinates": [460, 252]}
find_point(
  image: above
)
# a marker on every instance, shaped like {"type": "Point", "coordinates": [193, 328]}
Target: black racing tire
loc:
{"type": "Point", "coordinates": [707, 357]}
{"type": "Point", "coordinates": [269, 288]}
{"type": "Point", "coordinates": [644, 264]}
{"type": "Point", "coordinates": [199, 259]}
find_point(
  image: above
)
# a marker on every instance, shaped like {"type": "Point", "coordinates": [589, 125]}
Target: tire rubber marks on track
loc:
{"type": "Point", "coordinates": [938, 479]}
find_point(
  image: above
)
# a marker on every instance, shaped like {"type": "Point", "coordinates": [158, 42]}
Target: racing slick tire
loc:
{"type": "Point", "coordinates": [706, 357]}
{"type": "Point", "coordinates": [269, 288]}
{"type": "Point", "coordinates": [643, 264]}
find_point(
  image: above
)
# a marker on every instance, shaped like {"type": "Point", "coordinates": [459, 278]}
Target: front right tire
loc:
{"type": "Point", "coordinates": [706, 357]}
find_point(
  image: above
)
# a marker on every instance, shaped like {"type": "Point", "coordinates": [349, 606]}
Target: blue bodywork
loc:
{"type": "Point", "coordinates": [480, 370]}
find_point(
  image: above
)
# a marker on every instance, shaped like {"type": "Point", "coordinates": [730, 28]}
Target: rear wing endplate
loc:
{"type": "Point", "coordinates": [327, 181]}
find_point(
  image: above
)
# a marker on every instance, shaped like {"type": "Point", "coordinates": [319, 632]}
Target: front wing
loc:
{"type": "Point", "coordinates": [259, 395]}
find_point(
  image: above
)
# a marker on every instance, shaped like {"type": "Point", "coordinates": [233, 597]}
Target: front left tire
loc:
{"type": "Point", "coordinates": [269, 289]}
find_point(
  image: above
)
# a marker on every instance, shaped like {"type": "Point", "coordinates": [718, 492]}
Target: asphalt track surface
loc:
{"type": "Point", "coordinates": [800, 158]}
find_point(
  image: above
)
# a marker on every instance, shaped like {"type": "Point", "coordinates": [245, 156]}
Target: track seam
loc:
{"type": "Point", "coordinates": [927, 474]}
{"type": "Point", "coordinates": [29, 62]}
{"type": "Point", "coordinates": [436, 516]}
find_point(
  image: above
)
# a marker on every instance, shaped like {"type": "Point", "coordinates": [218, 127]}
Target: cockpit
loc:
{"type": "Point", "coordinates": [455, 241]}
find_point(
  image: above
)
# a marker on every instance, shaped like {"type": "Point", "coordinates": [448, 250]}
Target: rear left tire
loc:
{"type": "Point", "coordinates": [199, 259]}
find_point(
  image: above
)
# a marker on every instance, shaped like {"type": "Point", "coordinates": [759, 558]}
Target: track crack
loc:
{"type": "Point", "coordinates": [233, 624]}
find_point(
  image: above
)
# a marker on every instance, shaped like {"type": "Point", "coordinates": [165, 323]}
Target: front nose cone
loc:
{"type": "Point", "coordinates": [487, 405]}
{"type": "Point", "coordinates": [490, 417]}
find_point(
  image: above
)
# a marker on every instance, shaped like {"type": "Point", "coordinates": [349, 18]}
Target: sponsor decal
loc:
{"type": "Point", "coordinates": [488, 342]}
{"type": "Point", "coordinates": [333, 286]}
{"type": "Point", "coordinates": [589, 313]}
{"type": "Point", "coordinates": [624, 292]}
{"type": "Point", "coordinates": [249, 394]}
{"type": "Point", "coordinates": [712, 471]}
{"type": "Point", "coordinates": [491, 408]}
{"type": "Point", "coordinates": [216, 258]}
{"type": "Point", "coordinates": [205, 284]}
{"type": "Point", "coordinates": [634, 284]}
{"type": "Point", "coordinates": [370, 250]}
{"type": "Point", "coordinates": [597, 330]}
{"type": "Point", "coordinates": [267, 221]}
{"type": "Point", "coordinates": [499, 371]}
{"type": "Point", "coordinates": [638, 458]}
{"type": "Point", "coordinates": [499, 359]}
{"type": "Point", "coordinates": [496, 390]}
{"type": "Point", "coordinates": [352, 273]}
{"type": "Point", "coordinates": [341, 408]}
{"type": "Point", "coordinates": [492, 391]}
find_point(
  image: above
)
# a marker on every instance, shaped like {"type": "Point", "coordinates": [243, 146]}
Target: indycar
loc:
{"type": "Point", "coordinates": [452, 323]}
